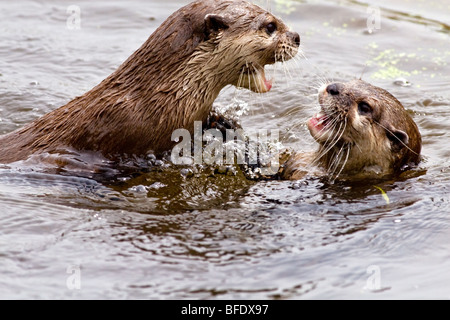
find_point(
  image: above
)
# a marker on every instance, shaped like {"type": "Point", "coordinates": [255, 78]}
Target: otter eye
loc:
{"type": "Point", "coordinates": [364, 108]}
{"type": "Point", "coordinates": [271, 28]}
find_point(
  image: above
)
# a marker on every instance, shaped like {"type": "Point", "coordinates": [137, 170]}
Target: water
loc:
{"type": "Point", "coordinates": [167, 235]}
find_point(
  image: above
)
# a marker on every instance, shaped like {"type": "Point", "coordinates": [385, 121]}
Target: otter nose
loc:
{"type": "Point", "coordinates": [295, 37]}
{"type": "Point", "coordinates": [333, 89]}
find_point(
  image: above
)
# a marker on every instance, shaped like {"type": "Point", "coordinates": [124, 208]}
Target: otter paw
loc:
{"type": "Point", "coordinates": [219, 122]}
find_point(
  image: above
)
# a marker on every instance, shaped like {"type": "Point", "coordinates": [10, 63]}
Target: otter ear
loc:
{"type": "Point", "coordinates": [215, 23]}
{"type": "Point", "coordinates": [399, 138]}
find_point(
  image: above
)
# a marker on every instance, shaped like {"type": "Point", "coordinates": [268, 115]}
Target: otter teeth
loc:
{"type": "Point", "coordinates": [264, 84]}
{"type": "Point", "coordinates": [322, 118]}
{"type": "Point", "coordinates": [255, 79]}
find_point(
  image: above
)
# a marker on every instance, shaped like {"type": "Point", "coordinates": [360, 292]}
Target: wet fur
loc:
{"type": "Point", "coordinates": [169, 83]}
{"type": "Point", "coordinates": [382, 143]}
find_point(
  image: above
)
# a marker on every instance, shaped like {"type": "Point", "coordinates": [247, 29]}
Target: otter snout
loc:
{"type": "Point", "coordinates": [294, 37]}
{"type": "Point", "coordinates": [334, 89]}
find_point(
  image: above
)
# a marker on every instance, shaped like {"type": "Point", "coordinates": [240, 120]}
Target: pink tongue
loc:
{"type": "Point", "coordinates": [268, 84]}
{"type": "Point", "coordinates": [317, 121]}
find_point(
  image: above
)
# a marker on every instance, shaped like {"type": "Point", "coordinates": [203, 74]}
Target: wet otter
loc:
{"type": "Point", "coordinates": [362, 130]}
{"type": "Point", "coordinates": [169, 83]}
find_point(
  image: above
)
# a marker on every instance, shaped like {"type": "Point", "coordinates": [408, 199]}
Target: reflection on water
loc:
{"type": "Point", "coordinates": [168, 234]}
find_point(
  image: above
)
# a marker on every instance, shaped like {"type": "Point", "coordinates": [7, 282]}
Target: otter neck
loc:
{"type": "Point", "coordinates": [334, 158]}
{"type": "Point", "coordinates": [157, 96]}
{"type": "Point", "coordinates": [191, 81]}
{"type": "Point", "coordinates": [348, 159]}
{"type": "Point", "coordinates": [137, 108]}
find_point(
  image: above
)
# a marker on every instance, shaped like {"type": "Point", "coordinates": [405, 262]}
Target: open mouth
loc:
{"type": "Point", "coordinates": [318, 126]}
{"type": "Point", "coordinates": [254, 79]}
{"type": "Point", "coordinates": [318, 122]}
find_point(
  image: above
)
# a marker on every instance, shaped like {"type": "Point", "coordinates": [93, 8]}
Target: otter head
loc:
{"type": "Point", "coordinates": [364, 128]}
{"type": "Point", "coordinates": [253, 38]}
{"type": "Point", "coordinates": [226, 42]}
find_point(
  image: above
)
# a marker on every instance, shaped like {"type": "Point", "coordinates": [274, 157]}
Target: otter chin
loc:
{"type": "Point", "coordinates": [254, 80]}
{"type": "Point", "coordinates": [362, 130]}
{"type": "Point", "coordinates": [170, 82]}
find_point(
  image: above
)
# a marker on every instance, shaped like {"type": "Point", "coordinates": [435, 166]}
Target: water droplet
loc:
{"type": "Point", "coordinates": [159, 163]}
{"type": "Point", "coordinates": [221, 169]}
{"type": "Point", "coordinates": [369, 31]}
{"type": "Point", "coordinates": [187, 172]}
{"type": "Point", "coordinates": [402, 82]}
{"type": "Point", "coordinates": [139, 189]}
{"type": "Point", "coordinates": [157, 185]}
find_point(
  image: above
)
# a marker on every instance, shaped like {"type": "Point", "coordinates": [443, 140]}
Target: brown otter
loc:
{"type": "Point", "coordinates": [362, 130]}
{"type": "Point", "coordinates": [169, 83]}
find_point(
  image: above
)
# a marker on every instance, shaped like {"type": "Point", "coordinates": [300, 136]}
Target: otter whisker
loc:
{"type": "Point", "coordinates": [336, 161]}
{"type": "Point", "coordinates": [330, 127]}
{"type": "Point", "coordinates": [327, 146]}
{"type": "Point", "coordinates": [335, 140]}
{"type": "Point", "coordinates": [253, 74]}
{"type": "Point", "coordinates": [357, 146]}
{"type": "Point", "coordinates": [240, 80]}
{"type": "Point", "coordinates": [348, 147]}
{"type": "Point", "coordinates": [238, 91]}
{"type": "Point", "coordinates": [301, 52]}
{"type": "Point", "coordinates": [320, 74]}
{"type": "Point", "coordinates": [295, 60]}
{"type": "Point", "coordinates": [312, 95]}
{"type": "Point", "coordinates": [248, 77]}
{"type": "Point", "coordinates": [287, 55]}
{"type": "Point", "coordinates": [318, 83]}
{"type": "Point", "coordinates": [334, 165]}
{"type": "Point", "coordinates": [284, 68]}
{"type": "Point", "coordinates": [295, 57]}
{"type": "Point", "coordinates": [339, 134]}
{"type": "Point", "coordinates": [268, 6]}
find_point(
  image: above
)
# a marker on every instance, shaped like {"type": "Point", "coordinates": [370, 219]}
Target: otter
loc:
{"type": "Point", "coordinates": [168, 83]}
{"type": "Point", "coordinates": [362, 131]}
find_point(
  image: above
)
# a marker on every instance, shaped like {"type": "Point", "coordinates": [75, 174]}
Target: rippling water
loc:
{"type": "Point", "coordinates": [167, 235]}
